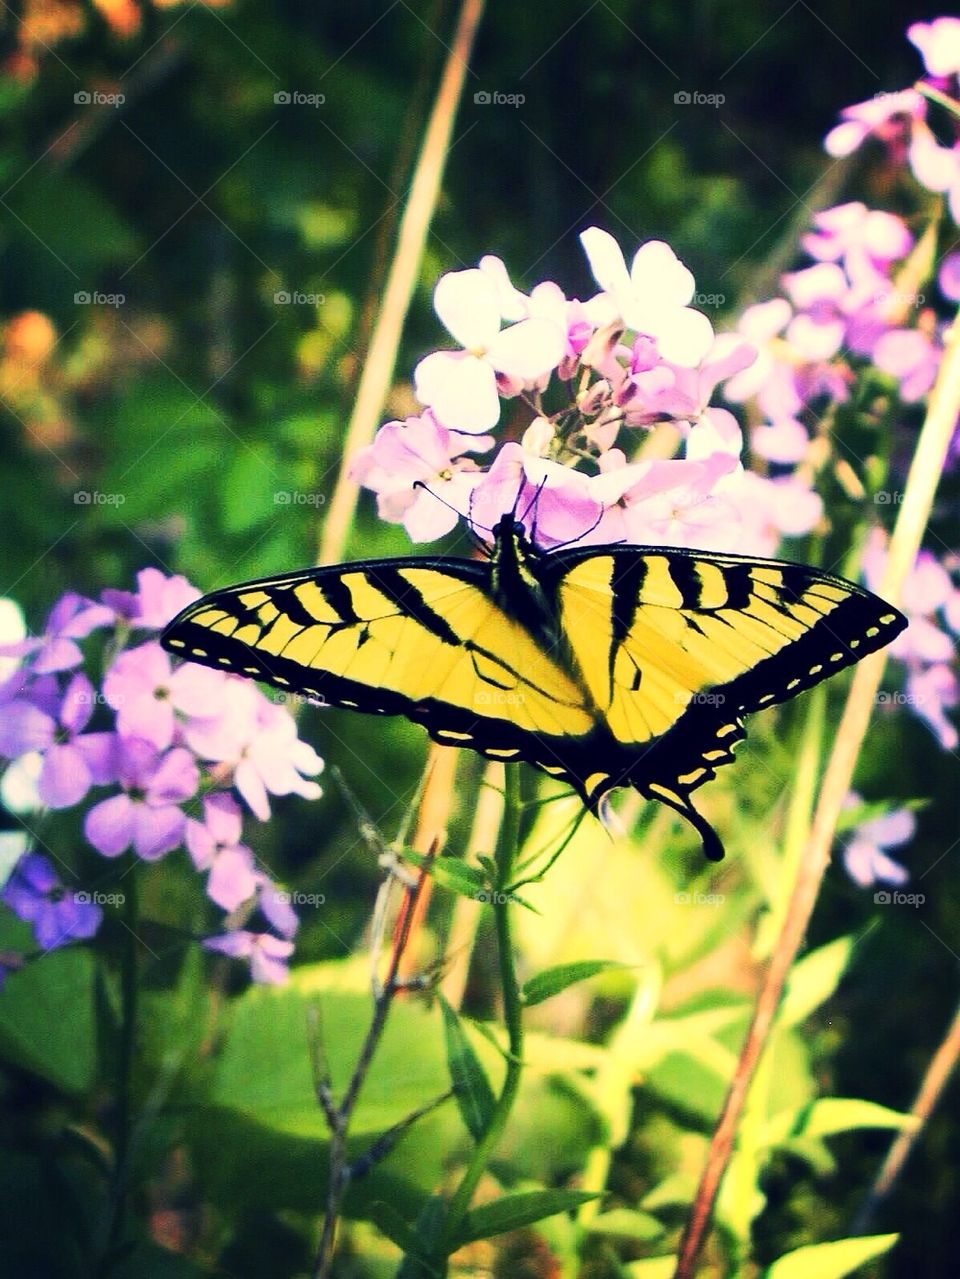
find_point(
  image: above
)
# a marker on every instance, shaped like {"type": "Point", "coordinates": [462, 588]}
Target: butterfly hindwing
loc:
{"type": "Point", "coordinates": [676, 646]}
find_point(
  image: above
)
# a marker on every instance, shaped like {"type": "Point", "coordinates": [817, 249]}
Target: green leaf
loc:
{"type": "Point", "coordinates": [830, 1115]}
{"type": "Point", "coordinates": [553, 980]}
{"type": "Point", "coordinates": [470, 1083]}
{"type": "Point", "coordinates": [47, 1021]}
{"type": "Point", "coordinates": [452, 873]}
{"type": "Point", "coordinates": [830, 1260]}
{"type": "Point", "coordinates": [627, 1223]}
{"type": "Point", "coordinates": [814, 979]}
{"type": "Point", "coordinates": [513, 1211]}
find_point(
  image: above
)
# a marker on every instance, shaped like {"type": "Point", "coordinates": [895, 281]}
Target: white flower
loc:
{"type": "Point", "coordinates": [652, 298]}
{"type": "Point", "coordinates": [461, 386]}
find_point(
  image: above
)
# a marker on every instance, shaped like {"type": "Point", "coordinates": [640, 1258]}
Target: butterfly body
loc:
{"type": "Point", "coordinates": [603, 666]}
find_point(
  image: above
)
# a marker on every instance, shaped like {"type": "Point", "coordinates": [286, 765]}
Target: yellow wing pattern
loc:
{"type": "Point", "coordinates": [604, 666]}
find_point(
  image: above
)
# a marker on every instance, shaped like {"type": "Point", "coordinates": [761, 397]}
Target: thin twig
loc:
{"type": "Point", "coordinates": [338, 1117]}
{"type": "Point", "coordinates": [925, 471]}
{"type": "Point", "coordinates": [401, 281]}
{"type": "Point", "coordinates": [938, 1074]}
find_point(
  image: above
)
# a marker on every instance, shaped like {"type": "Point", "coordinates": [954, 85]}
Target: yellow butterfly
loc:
{"type": "Point", "coordinates": [604, 666]}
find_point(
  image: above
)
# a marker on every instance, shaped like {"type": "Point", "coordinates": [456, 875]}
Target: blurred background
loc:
{"type": "Point", "coordinates": [198, 203]}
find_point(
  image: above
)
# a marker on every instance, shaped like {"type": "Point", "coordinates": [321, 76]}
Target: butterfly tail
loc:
{"type": "Point", "coordinates": [680, 803]}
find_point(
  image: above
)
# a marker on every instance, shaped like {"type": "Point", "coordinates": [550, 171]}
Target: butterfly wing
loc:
{"type": "Point", "coordinates": [676, 646]}
{"type": "Point", "coordinates": [421, 638]}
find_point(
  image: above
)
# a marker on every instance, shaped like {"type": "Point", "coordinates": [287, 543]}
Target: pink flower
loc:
{"type": "Point", "coordinates": [864, 857]}
{"type": "Point", "coordinates": [420, 478]}
{"type": "Point", "coordinates": [267, 955]}
{"type": "Point", "coordinates": [888, 117]}
{"type": "Point", "coordinates": [912, 358]}
{"type": "Point", "coordinates": [666, 503]}
{"type": "Point", "coordinates": [931, 692]}
{"type": "Point", "coordinates": [939, 45]}
{"type": "Point", "coordinates": [462, 386]}
{"type": "Point", "coordinates": [852, 231]}
{"type": "Point", "coordinates": [147, 694]}
{"type": "Point", "coordinates": [258, 740]}
{"type": "Point", "coordinates": [214, 844]}
{"type": "Point", "coordinates": [552, 501]}
{"type": "Point", "coordinates": [652, 298]}
{"type": "Point", "coordinates": [146, 814]}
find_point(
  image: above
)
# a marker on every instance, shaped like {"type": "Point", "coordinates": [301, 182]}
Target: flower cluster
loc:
{"type": "Point", "coordinates": [899, 120]}
{"type": "Point", "coordinates": [605, 393]}
{"type": "Point", "coordinates": [162, 758]}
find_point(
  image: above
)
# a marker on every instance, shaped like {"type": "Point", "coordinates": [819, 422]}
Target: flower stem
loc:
{"type": "Point", "coordinates": [124, 1073]}
{"type": "Point", "coordinates": [512, 1013]}
{"type": "Point", "coordinates": [920, 491]}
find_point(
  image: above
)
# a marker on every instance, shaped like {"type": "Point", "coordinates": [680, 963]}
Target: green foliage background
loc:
{"type": "Point", "coordinates": [199, 399]}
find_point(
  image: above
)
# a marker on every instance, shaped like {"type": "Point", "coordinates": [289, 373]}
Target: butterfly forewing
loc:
{"type": "Point", "coordinates": [419, 638]}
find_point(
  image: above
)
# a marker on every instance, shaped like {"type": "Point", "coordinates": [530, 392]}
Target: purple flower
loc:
{"type": "Point", "coordinates": [146, 815]}
{"type": "Point", "coordinates": [35, 893]}
{"type": "Point", "coordinates": [146, 693]}
{"type": "Point", "coordinates": [274, 902]}
{"type": "Point", "coordinates": [72, 617]}
{"type": "Point", "coordinates": [157, 601]}
{"type": "Point", "coordinates": [864, 857]}
{"type": "Point", "coordinates": [267, 955]}
{"type": "Point", "coordinates": [214, 844]}
{"type": "Point", "coordinates": [73, 761]}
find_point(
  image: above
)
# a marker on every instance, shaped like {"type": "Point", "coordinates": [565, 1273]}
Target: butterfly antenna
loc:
{"type": "Point", "coordinates": [422, 484]}
{"type": "Point", "coordinates": [531, 506]}
{"type": "Point", "coordinates": [580, 536]}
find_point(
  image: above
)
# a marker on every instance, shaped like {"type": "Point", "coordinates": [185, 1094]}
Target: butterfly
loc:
{"type": "Point", "coordinates": [603, 666]}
